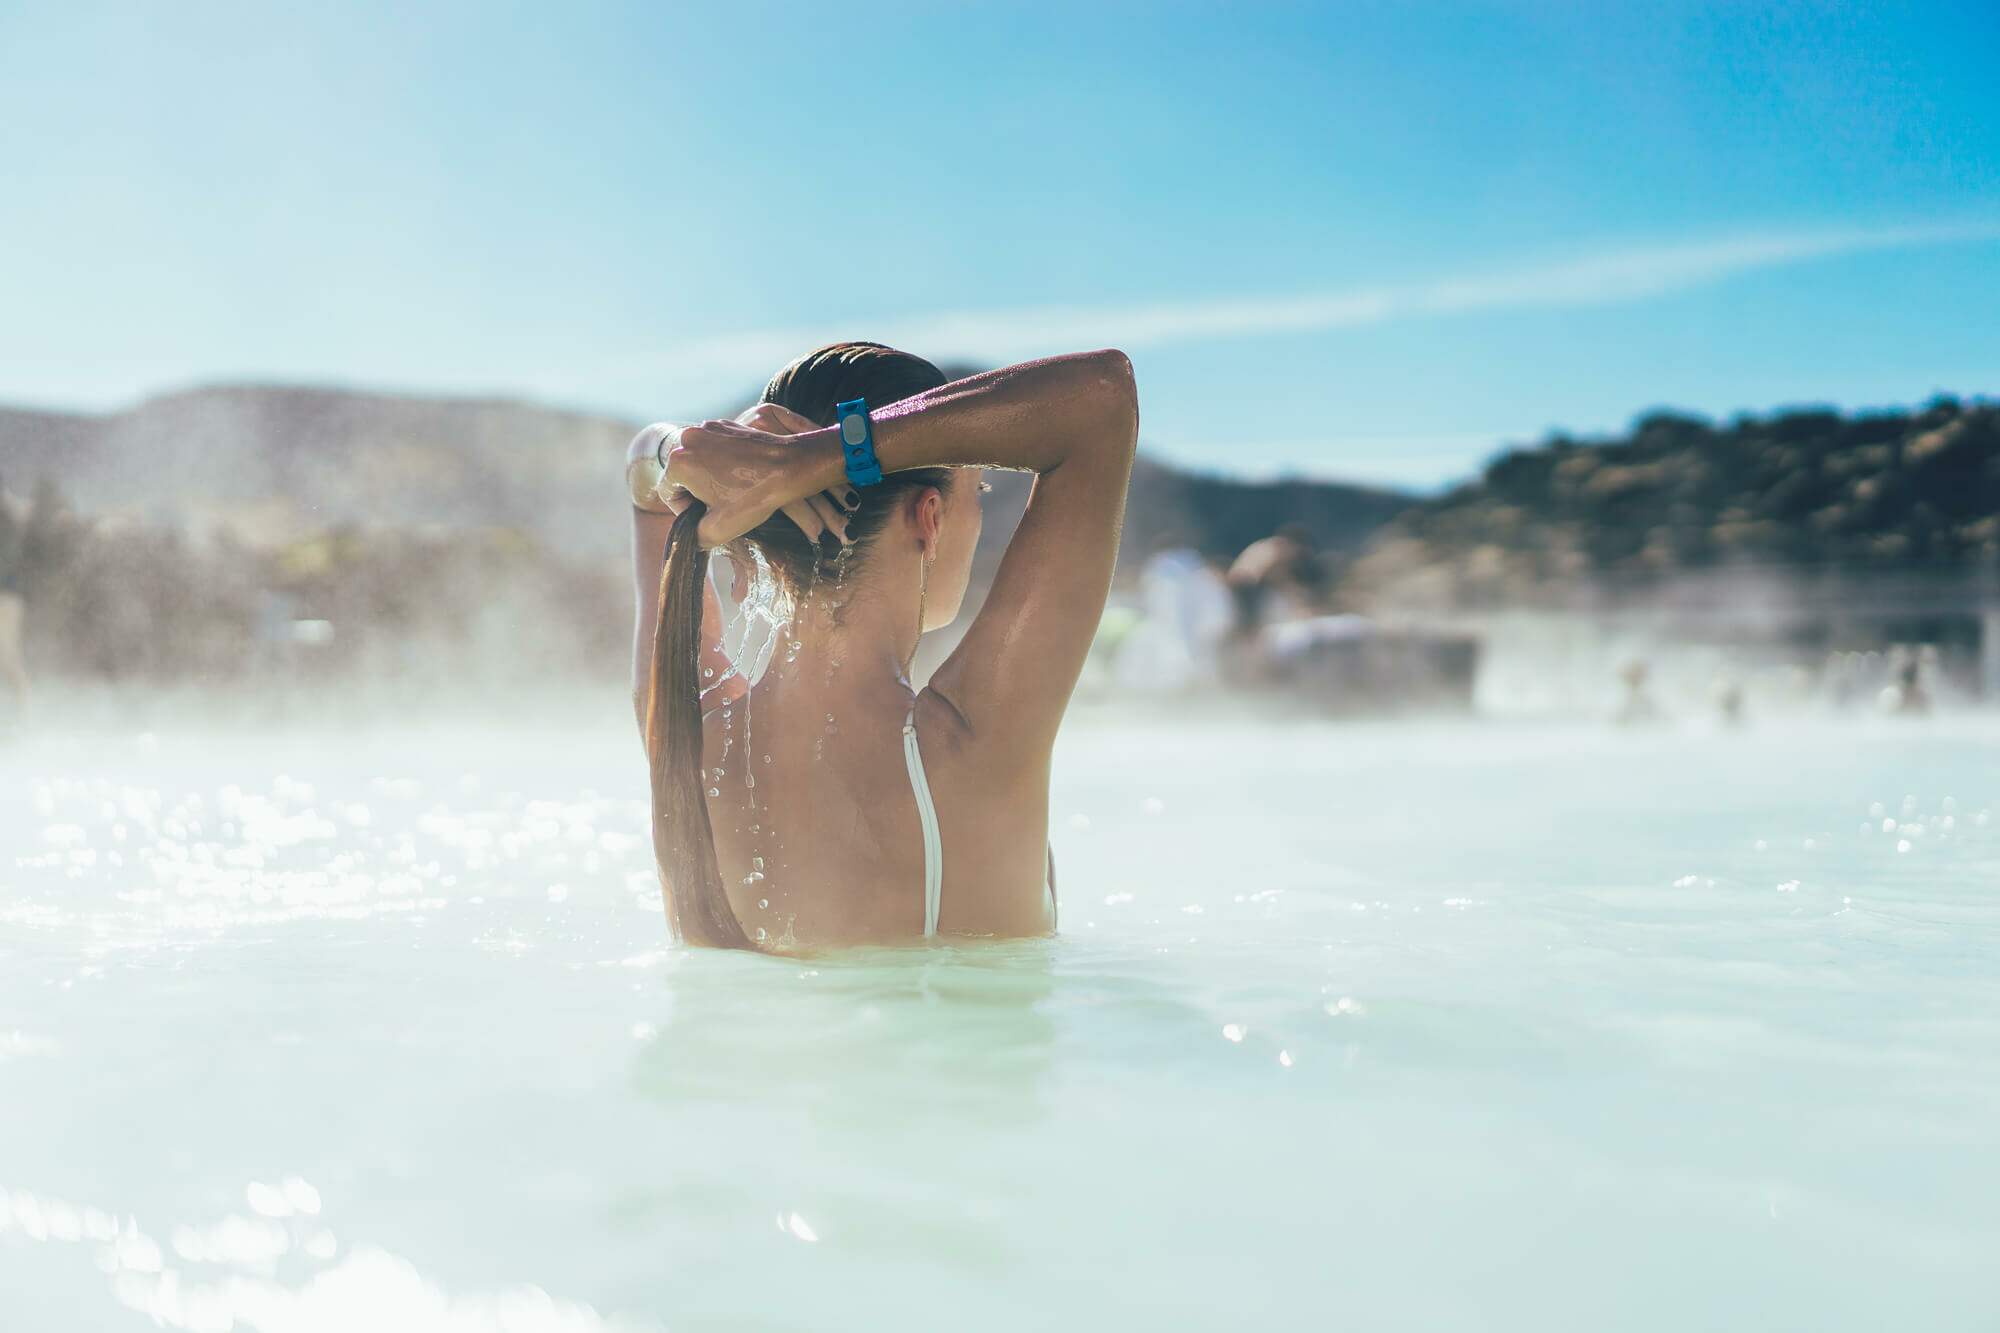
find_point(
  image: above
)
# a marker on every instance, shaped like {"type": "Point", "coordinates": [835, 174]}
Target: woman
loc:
{"type": "Point", "coordinates": [826, 801]}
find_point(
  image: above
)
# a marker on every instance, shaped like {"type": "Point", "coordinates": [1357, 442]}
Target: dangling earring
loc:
{"type": "Point", "coordinates": [923, 579]}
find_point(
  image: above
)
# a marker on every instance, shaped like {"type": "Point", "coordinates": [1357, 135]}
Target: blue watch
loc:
{"type": "Point", "coordinates": [857, 443]}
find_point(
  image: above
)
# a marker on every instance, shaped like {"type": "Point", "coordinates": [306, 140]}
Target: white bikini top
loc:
{"type": "Point", "coordinates": [933, 843]}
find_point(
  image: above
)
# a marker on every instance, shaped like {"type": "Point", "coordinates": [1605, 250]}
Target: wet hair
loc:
{"type": "Point", "coordinates": [683, 839]}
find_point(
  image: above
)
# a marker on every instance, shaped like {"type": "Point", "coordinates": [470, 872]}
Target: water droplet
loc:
{"type": "Point", "coordinates": [829, 717]}
{"type": "Point", "coordinates": [760, 933]}
{"type": "Point", "coordinates": [767, 758]}
{"type": "Point", "coordinates": [763, 903]}
{"type": "Point", "coordinates": [749, 779]}
{"type": "Point", "coordinates": [756, 863]}
{"type": "Point", "coordinates": [715, 791]}
{"type": "Point", "coordinates": [708, 673]}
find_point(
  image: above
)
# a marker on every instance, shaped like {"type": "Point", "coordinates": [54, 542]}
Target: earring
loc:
{"type": "Point", "coordinates": [923, 581]}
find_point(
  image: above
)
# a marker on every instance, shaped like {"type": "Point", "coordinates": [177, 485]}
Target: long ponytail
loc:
{"type": "Point", "coordinates": [683, 839]}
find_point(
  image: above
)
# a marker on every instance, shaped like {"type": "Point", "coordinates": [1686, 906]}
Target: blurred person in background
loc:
{"type": "Point", "coordinates": [1276, 578]}
{"type": "Point", "coordinates": [1728, 695]}
{"type": "Point", "coordinates": [1906, 694]}
{"type": "Point", "coordinates": [1636, 706]}
{"type": "Point", "coordinates": [1186, 613]}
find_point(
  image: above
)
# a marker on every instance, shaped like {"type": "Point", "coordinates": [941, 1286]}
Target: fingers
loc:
{"type": "Point", "coordinates": [691, 454]}
{"type": "Point", "coordinates": [816, 516]}
{"type": "Point", "coordinates": [673, 452]}
{"type": "Point", "coordinates": [807, 518]}
{"type": "Point", "coordinates": [831, 515]}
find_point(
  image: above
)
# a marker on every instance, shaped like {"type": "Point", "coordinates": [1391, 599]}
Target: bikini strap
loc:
{"type": "Point", "coordinates": [920, 787]}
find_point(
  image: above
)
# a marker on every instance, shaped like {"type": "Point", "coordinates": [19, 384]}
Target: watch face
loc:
{"type": "Point", "coordinates": [853, 429]}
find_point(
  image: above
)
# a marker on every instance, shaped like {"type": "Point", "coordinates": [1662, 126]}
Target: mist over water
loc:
{"type": "Point", "coordinates": [1409, 1025]}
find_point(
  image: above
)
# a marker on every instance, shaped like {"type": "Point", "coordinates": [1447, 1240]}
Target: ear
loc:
{"type": "Point", "coordinates": [929, 517]}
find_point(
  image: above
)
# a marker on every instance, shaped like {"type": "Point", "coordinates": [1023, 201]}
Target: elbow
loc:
{"type": "Point", "coordinates": [647, 442]}
{"type": "Point", "coordinates": [642, 467]}
{"type": "Point", "coordinates": [1118, 388]}
{"type": "Point", "coordinates": [645, 446]}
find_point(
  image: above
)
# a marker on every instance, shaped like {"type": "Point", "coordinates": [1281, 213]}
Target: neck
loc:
{"type": "Point", "coordinates": [857, 638]}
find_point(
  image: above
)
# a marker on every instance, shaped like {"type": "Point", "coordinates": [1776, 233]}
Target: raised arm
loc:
{"type": "Point", "coordinates": [1074, 422]}
{"type": "Point", "coordinates": [652, 520]}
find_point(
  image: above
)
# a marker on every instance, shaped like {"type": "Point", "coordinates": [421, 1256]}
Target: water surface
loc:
{"type": "Point", "coordinates": [1471, 1027]}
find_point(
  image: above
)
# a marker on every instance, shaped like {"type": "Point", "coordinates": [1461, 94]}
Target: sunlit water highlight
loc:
{"type": "Point", "coordinates": [1364, 1026]}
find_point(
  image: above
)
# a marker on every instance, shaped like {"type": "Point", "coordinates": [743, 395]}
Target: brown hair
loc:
{"type": "Point", "coordinates": [683, 839]}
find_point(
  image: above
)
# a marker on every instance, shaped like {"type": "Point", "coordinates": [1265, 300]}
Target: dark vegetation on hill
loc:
{"type": "Point", "coordinates": [1801, 493]}
{"type": "Point", "coordinates": [435, 537]}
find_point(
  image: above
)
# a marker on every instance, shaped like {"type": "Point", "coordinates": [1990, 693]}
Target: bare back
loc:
{"type": "Point", "coordinates": [817, 831]}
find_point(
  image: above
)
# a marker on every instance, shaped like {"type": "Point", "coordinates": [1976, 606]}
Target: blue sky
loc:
{"type": "Point", "coordinates": [1371, 240]}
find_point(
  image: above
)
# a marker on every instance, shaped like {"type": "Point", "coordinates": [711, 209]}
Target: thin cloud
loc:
{"type": "Point", "coordinates": [1607, 277]}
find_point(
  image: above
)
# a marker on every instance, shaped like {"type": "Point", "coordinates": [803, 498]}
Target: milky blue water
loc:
{"type": "Point", "coordinates": [1384, 1027]}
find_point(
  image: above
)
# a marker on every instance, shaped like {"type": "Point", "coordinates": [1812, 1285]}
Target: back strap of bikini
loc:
{"type": "Point", "coordinates": [927, 816]}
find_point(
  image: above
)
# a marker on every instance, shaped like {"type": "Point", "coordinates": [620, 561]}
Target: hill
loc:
{"type": "Point", "coordinates": [1801, 492]}
{"type": "Point", "coordinates": [267, 465]}
{"type": "Point", "coordinates": [422, 529]}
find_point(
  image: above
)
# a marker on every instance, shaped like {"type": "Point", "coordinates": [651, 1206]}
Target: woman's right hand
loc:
{"type": "Point", "coordinates": [742, 471]}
